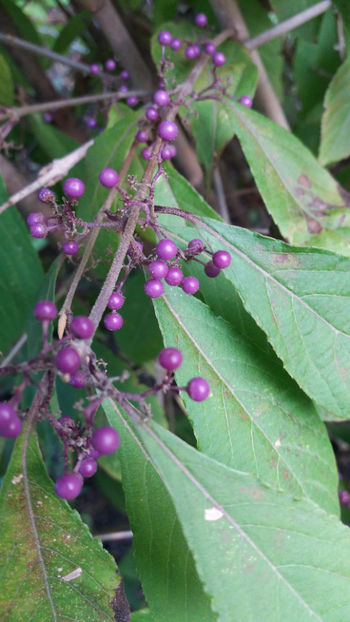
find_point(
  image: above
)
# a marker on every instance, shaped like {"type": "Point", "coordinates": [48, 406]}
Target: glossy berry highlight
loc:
{"type": "Point", "coordinates": [164, 37]}
{"type": "Point", "coordinates": [70, 248]}
{"type": "Point", "coordinates": [201, 20]}
{"type": "Point", "coordinates": [38, 230]}
{"type": "Point", "coordinates": [67, 360]}
{"type": "Point", "coordinates": [168, 152]}
{"type": "Point", "coordinates": [218, 59]}
{"type": "Point", "coordinates": [115, 301]}
{"type": "Point", "coordinates": [170, 358]}
{"type": "Point", "coordinates": [176, 44]}
{"type": "Point", "coordinates": [167, 130]}
{"type": "Point", "coordinates": [108, 177]}
{"type": "Point", "coordinates": [74, 188]}
{"type": "Point", "coordinates": [174, 276]}
{"type": "Point", "coordinates": [94, 69]}
{"type": "Point", "coordinates": [221, 259]}
{"type": "Point", "coordinates": [210, 48]}
{"type": "Point", "coordinates": [110, 64]}
{"type": "Point", "coordinates": [10, 423]}
{"type": "Point", "coordinates": [198, 389]}
{"type": "Point", "coordinates": [190, 285]}
{"type": "Point", "coordinates": [161, 98]}
{"type": "Point", "coordinates": [82, 327]}
{"type": "Point", "coordinates": [69, 486]}
{"type": "Point", "coordinates": [113, 321]}
{"type": "Point", "coordinates": [152, 113]}
{"type": "Point", "coordinates": [192, 51]}
{"type": "Point", "coordinates": [154, 288]}
{"type": "Point", "coordinates": [88, 467]}
{"type": "Point", "coordinates": [246, 101]}
{"type": "Point", "coordinates": [158, 269]}
{"type": "Point", "coordinates": [45, 310]}
{"type": "Point", "coordinates": [166, 249]}
{"type": "Point", "coordinates": [105, 440]}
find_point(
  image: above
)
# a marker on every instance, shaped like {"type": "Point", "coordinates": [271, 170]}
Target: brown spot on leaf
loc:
{"type": "Point", "coordinates": [303, 180]}
{"type": "Point", "coordinates": [285, 475]}
{"type": "Point", "coordinates": [282, 258]}
{"type": "Point", "coordinates": [313, 226]}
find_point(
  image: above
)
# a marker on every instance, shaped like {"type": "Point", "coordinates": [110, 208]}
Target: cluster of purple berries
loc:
{"type": "Point", "coordinates": [104, 440]}
{"type": "Point", "coordinates": [198, 388]}
{"type": "Point", "coordinates": [166, 251]}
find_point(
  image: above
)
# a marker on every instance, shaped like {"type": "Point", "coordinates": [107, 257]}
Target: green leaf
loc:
{"type": "Point", "coordinates": [286, 9]}
{"type": "Point", "coordinates": [163, 559]}
{"type": "Point", "coordinates": [257, 419]}
{"type": "Point", "coordinates": [144, 615]}
{"type": "Point", "coordinates": [20, 274]}
{"type": "Point", "coordinates": [210, 127]}
{"type": "Point", "coordinates": [300, 298]}
{"type": "Point", "coordinates": [44, 541]}
{"type": "Point", "coordinates": [139, 339]}
{"type": "Point", "coordinates": [74, 27]}
{"type": "Point", "coordinates": [261, 554]}
{"type": "Point", "coordinates": [23, 23]}
{"type": "Point", "coordinates": [53, 142]}
{"type": "Point", "coordinates": [6, 84]}
{"type": "Point", "coordinates": [304, 200]}
{"type": "Point", "coordinates": [336, 119]}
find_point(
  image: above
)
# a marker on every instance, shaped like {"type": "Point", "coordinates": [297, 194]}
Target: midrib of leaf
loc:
{"type": "Point", "coordinates": [141, 424]}
{"type": "Point", "coordinates": [33, 523]}
{"type": "Point", "coordinates": [255, 135]}
{"type": "Point", "coordinates": [242, 405]}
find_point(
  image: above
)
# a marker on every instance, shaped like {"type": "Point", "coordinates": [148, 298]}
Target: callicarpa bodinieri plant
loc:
{"type": "Point", "coordinates": [175, 332]}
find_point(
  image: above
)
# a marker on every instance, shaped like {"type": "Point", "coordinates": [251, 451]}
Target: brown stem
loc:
{"type": "Point", "coordinates": [18, 112]}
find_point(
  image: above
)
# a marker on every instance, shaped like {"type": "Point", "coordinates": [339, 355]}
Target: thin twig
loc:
{"type": "Point", "coordinates": [50, 174]}
{"type": "Point", "coordinates": [21, 111]}
{"type": "Point", "coordinates": [340, 47]}
{"type": "Point", "coordinates": [115, 535]}
{"type": "Point", "coordinates": [42, 51]}
{"type": "Point", "coordinates": [288, 25]}
{"type": "Point", "coordinates": [15, 348]}
{"type": "Point", "coordinates": [220, 195]}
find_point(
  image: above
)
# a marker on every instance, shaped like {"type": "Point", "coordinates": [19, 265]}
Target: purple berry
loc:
{"type": "Point", "coordinates": [176, 44]}
{"type": "Point", "coordinates": [7, 414]}
{"type": "Point", "coordinates": [105, 440]}
{"type": "Point", "coordinates": [167, 130]}
{"type": "Point", "coordinates": [93, 453]}
{"type": "Point", "coordinates": [67, 360]}
{"type": "Point", "coordinates": [69, 486]}
{"type": "Point", "coordinates": [91, 123]}
{"type": "Point", "coordinates": [164, 37]}
{"type": "Point", "coordinates": [94, 69]}
{"type": "Point", "coordinates": [38, 230]}
{"type": "Point", "coordinates": [110, 64]}
{"type": "Point", "coordinates": [201, 20]}
{"type": "Point", "coordinates": [195, 245]}
{"type": "Point", "coordinates": [154, 288]}
{"type": "Point", "coordinates": [88, 467]}
{"type": "Point", "coordinates": [221, 259]}
{"type": "Point", "coordinates": [142, 136]}
{"type": "Point", "coordinates": [113, 321]}
{"type": "Point", "coordinates": [34, 218]}
{"type": "Point", "coordinates": [45, 195]}
{"type": "Point", "coordinates": [132, 101]}
{"type": "Point", "coordinates": [210, 48]}
{"type": "Point", "coordinates": [73, 188]}
{"type": "Point", "coordinates": [47, 116]}
{"type": "Point", "coordinates": [190, 285]}
{"type": "Point", "coordinates": [170, 358]}
{"type": "Point", "coordinates": [70, 248]}
{"type": "Point", "coordinates": [211, 270]}
{"type": "Point", "coordinates": [147, 153]}
{"type": "Point", "coordinates": [161, 98]}
{"type": "Point", "coordinates": [192, 51]}
{"type": "Point", "coordinates": [108, 177]}
{"type": "Point", "coordinates": [198, 389]}
{"type": "Point", "coordinates": [246, 101]}
{"type": "Point", "coordinates": [82, 327]}
{"type": "Point", "coordinates": [219, 59]}
{"type": "Point", "coordinates": [45, 310]}
{"type": "Point", "coordinates": [12, 429]}
{"type": "Point", "coordinates": [124, 88]}
{"type": "Point", "coordinates": [174, 276]}
{"type": "Point", "coordinates": [116, 301]}
{"type": "Point", "coordinates": [158, 269]}
{"type": "Point", "coordinates": [124, 75]}
{"type": "Point", "coordinates": [168, 152]}
{"type": "Point", "coordinates": [152, 113]}
{"type": "Point", "coordinates": [77, 379]}
{"type": "Point", "coordinates": [166, 249]}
